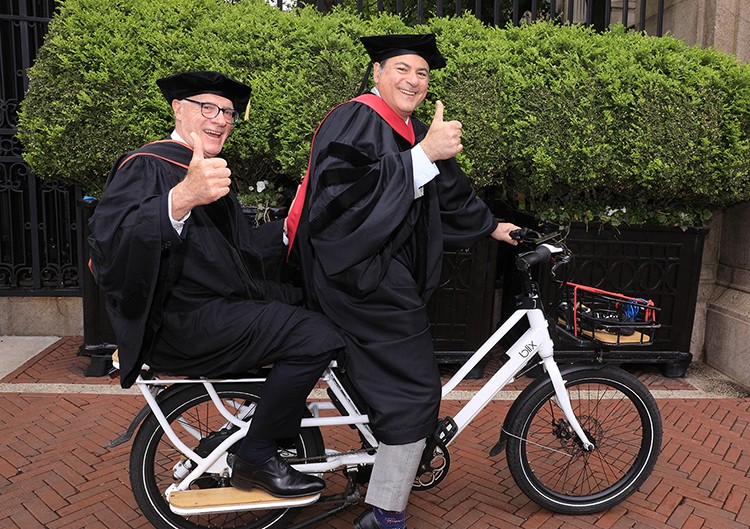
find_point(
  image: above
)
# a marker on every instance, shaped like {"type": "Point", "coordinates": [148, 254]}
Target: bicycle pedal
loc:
{"type": "Point", "coordinates": [230, 499]}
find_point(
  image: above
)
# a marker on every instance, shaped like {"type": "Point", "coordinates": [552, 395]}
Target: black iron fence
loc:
{"type": "Point", "coordinates": [40, 223]}
{"type": "Point", "coordinates": [39, 245]}
{"type": "Point", "coordinates": [640, 15]}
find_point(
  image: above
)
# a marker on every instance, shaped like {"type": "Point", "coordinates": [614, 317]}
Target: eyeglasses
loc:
{"type": "Point", "coordinates": [210, 111]}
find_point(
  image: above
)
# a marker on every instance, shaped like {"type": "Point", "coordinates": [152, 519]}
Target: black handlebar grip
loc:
{"type": "Point", "coordinates": [541, 254]}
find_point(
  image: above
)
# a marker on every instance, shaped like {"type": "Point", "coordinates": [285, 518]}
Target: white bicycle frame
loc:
{"type": "Point", "coordinates": [536, 339]}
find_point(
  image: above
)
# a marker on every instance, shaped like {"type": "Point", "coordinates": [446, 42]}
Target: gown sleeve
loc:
{"type": "Point", "coordinates": [465, 218]}
{"type": "Point", "coordinates": [129, 230]}
{"type": "Point", "coordinates": [363, 190]}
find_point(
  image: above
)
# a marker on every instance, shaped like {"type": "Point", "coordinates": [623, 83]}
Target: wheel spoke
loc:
{"type": "Point", "coordinates": [155, 461]}
{"type": "Point", "coordinates": [547, 459]}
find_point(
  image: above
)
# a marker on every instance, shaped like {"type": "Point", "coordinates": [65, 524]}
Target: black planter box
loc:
{"type": "Point", "coordinates": [461, 308]}
{"type": "Point", "coordinates": [98, 336]}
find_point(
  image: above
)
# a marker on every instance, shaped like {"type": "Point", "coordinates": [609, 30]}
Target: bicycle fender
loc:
{"type": "Point", "coordinates": [145, 412]}
{"type": "Point", "coordinates": [539, 383]}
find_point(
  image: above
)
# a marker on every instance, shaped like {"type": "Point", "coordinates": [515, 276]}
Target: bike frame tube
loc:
{"type": "Point", "coordinates": [337, 460]}
{"type": "Point", "coordinates": [218, 455]}
{"type": "Point", "coordinates": [535, 340]}
{"type": "Point", "coordinates": [203, 464]}
{"type": "Point", "coordinates": [477, 357]}
{"type": "Point", "coordinates": [353, 417]}
{"type": "Point", "coordinates": [563, 400]}
{"type": "Point", "coordinates": [221, 407]}
{"type": "Point", "coordinates": [156, 410]}
{"type": "Point", "coordinates": [519, 355]}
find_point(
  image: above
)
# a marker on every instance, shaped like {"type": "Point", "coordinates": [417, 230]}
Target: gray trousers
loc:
{"type": "Point", "coordinates": [393, 475]}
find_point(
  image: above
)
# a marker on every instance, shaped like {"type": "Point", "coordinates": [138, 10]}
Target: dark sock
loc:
{"type": "Point", "coordinates": [390, 519]}
{"type": "Point", "coordinates": [256, 451]}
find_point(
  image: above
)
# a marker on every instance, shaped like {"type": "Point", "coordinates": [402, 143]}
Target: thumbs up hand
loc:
{"type": "Point", "coordinates": [207, 180]}
{"type": "Point", "coordinates": [443, 139]}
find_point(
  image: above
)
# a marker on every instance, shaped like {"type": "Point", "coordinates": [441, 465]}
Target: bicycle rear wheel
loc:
{"type": "Point", "coordinates": [547, 460]}
{"type": "Point", "coordinates": [155, 463]}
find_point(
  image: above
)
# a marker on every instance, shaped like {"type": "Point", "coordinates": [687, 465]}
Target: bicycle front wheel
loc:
{"type": "Point", "coordinates": [547, 460]}
{"type": "Point", "coordinates": [155, 463]}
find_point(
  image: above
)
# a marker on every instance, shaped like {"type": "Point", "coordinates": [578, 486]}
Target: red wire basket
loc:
{"type": "Point", "coordinates": [607, 317]}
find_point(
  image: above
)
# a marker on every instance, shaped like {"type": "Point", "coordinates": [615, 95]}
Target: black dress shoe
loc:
{"type": "Point", "coordinates": [366, 520]}
{"type": "Point", "coordinates": [276, 477]}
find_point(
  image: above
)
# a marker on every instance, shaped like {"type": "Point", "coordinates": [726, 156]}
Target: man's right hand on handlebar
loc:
{"type": "Point", "coordinates": [503, 232]}
{"type": "Point", "coordinates": [543, 248]}
{"type": "Point", "coordinates": [523, 234]}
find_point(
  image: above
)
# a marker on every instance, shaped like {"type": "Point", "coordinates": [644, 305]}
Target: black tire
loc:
{"type": "Point", "coordinates": [153, 458]}
{"type": "Point", "coordinates": [619, 416]}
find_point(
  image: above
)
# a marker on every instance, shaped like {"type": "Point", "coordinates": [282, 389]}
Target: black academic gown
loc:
{"type": "Point", "coordinates": [371, 255]}
{"type": "Point", "coordinates": [196, 304]}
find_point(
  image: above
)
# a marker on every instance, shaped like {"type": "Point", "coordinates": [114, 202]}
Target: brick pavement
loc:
{"type": "Point", "coordinates": [56, 471]}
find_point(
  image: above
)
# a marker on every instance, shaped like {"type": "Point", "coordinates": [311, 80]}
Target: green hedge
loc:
{"type": "Point", "coordinates": [585, 123]}
{"type": "Point", "coordinates": [573, 124]}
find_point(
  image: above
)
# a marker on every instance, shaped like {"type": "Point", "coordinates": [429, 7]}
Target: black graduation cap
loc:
{"type": "Point", "coordinates": [381, 47]}
{"type": "Point", "coordinates": [187, 84]}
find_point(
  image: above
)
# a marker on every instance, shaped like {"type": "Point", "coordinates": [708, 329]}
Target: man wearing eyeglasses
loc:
{"type": "Point", "coordinates": [184, 277]}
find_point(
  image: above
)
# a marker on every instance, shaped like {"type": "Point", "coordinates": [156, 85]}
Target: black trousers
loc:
{"type": "Point", "coordinates": [235, 337]}
{"type": "Point", "coordinates": [284, 395]}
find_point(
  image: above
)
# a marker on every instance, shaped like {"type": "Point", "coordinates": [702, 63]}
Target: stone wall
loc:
{"type": "Point", "coordinates": [727, 311]}
{"type": "Point", "coordinates": [41, 316]}
{"type": "Point", "coordinates": [727, 27]}
{"type": "Point", "coordinates": [723, 24]}
{"type": "Point", "coordinates": [721, 333]}
{"type": "Point", "coordinates": [706, 286]}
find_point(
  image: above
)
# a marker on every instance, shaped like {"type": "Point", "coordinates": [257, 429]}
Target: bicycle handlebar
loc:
{"type": "Point", "coordinates": [545, 248]}
{"type": "Point", "coordinates": [541, 254]}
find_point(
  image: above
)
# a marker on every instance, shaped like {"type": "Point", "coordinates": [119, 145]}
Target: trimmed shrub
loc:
{"type": "Point", "coordinates": [614, 126]}
{"type": "Point", "coordinates": [571, 123]}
